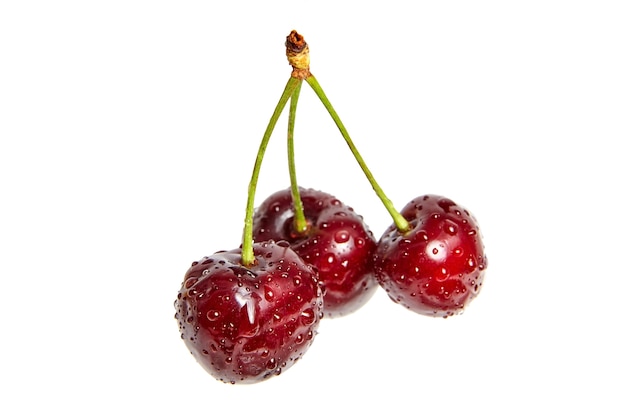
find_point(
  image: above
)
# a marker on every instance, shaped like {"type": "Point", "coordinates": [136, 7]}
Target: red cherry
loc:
{"type": "Point", "coordinates": [338, 243]}
{"type": "Point", "coordinates": [246, 324]}
{"type": "Point", "coordinates": [438, 266]}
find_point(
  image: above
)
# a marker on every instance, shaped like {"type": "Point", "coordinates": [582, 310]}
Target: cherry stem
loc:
{"type": "Point", "coordinates": [401, 223]}
{"type": "Point", "coordinates": [247, 252]}
{"type": "Point", "coordinates": [299, 220]}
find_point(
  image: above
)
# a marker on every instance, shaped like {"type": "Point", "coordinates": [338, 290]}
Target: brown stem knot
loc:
{"type": "Point", "coordinates": [298, 55]}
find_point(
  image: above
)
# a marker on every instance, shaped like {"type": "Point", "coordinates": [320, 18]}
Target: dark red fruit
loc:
{"type": "Point", "coordinates": [438, 266]}
{"type": "Point", "coordinates": [338, 243]}
{"type": "Point", "coordinates": [244, 325]}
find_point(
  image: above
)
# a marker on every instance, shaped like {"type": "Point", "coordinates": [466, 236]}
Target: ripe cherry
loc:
{"type": "Point", "coordinates": [437, 267]}
{"type": "Point", "coordinates": [337, 242]}
{"type": "Point", "coordinates": [246, 324]}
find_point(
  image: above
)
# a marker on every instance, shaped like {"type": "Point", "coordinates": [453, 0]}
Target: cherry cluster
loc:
{"type": "Point", "coordinates": [250, 313]}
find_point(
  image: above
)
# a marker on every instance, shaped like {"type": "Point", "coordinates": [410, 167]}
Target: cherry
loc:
{"type": "Point", "coordinates": [336, 241]}
{"type": "Point", "coordinates": [246, 324]}
{"type": "Point", "coordinates": [436, 267]}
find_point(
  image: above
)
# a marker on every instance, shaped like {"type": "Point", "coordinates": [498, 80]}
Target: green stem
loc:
{"type": "Point", "coordinates": [299, 220]}
{"type": "Point", "coordinates": [247, 252]}
{"type": "Point", "coordinates": [400, 222]}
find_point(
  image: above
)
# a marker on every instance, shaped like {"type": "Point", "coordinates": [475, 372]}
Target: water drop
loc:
{"type": "Point", "coordinates": [360, 243]}
{"type": "Point", "coordinates": [269, 293]}
{"type": "Point", "coordinates": [450, 228]}
{"type": "Point", "coordinates": [307, 316]}
{"type": "Point", "coordinates": [436, 250]}
{"type": "Point", "coordinates": [442, 274]}
{"type": "Point", "coordinates": [342, 236]}
{"type": "Point", "coordinates": [190, 282]}
{"type": "Point", "coordinates": [327, 263]}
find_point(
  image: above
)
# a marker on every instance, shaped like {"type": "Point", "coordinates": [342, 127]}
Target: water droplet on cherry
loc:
{"type": "Point", "coordinates": [342, 236]}
{"type": "Point", "coordinates": [307, 316]}
{"type": "Point", "coordinates": [450, 228]}
{"type": "Point", "coordinates": [327, 263]}
{"type": "Point", "coordinates": [213, 315]}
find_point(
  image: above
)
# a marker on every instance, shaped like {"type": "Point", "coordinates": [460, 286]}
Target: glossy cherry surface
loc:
{"type": "Point", "coordinates": [438, 266]}
{"type": "Point", "coordinates": [338, 243]}
{"type": "Point", "coordinates": [246, 324]}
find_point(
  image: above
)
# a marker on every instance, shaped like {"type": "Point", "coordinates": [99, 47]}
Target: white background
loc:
{"type": "Point", "coordinates": [128, 132]}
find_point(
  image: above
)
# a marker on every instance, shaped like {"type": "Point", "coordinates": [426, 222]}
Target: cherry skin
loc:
{"type": "Point", "coordinates": [246, 324]}
{"type": "Point", "coordinates": [338, 243]}
{"type": "Point", "coordinates": [438, 266]}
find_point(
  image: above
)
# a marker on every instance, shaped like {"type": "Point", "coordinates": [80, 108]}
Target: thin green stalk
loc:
{"type": "Point", "coordinates": [400, 222]}
{"type": "Point", "coordinates": [299, 221]}
{"type": "Point", "coordinates": [247, 252]}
